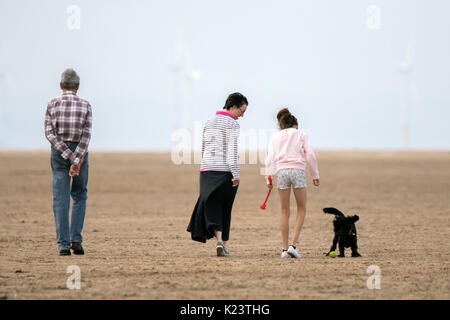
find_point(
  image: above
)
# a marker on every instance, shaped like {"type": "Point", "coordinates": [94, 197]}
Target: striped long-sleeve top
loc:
{"type": "Point", "coordinates": [69, 118]}
{"type": "Point", "coordinates": [220, 144]}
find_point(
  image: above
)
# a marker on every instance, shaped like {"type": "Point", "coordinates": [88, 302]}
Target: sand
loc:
{"type": "Point", "coordinates": [137, 246]}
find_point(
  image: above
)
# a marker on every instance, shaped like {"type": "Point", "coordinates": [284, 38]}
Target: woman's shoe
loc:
{"type": "Point", "coordinates": [225, 251]}
{"type": "Point", "coordinates": [293, 252]}
{"type": "Point", "coordinates": [220, 248]}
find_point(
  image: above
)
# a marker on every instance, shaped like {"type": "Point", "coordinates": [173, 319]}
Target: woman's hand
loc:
{"type": "Point", "coordinates": [235, 182]}
{"type": "Point", "coordinates": [316, 182]}
{"type": "Point", "coordinates": [270, 186]}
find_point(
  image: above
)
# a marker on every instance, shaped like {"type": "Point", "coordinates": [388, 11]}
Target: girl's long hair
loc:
{"type": "Point", "coordinates": [286, 119]}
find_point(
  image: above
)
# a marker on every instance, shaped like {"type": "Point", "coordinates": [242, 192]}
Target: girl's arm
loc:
{"type": "Point", "coordinates": [310, 158]}
{"type": "Point", "coordinates": [269, 160]}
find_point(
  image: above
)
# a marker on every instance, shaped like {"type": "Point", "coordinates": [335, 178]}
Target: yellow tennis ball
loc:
{"type": "Point", "coordinates": [332, 254]}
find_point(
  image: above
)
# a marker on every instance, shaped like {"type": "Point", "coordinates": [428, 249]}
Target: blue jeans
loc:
{"type": "Point", "coordinates": [61, 198]}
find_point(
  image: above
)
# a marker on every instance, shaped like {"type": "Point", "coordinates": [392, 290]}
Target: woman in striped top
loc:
{"type": "Point", "coordinates": [219, 175]}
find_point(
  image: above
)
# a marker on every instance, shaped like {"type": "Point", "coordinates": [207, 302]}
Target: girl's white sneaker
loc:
{"type": "Point", "coordinates": [293, 252]}
{"type": "Point", "coordinates": [284, 254]}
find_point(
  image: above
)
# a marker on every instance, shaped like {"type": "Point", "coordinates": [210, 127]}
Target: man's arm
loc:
{"type": "Point", "coordinates": [83, 145]}
{"type": "Point", "coordinates": [55, 141]}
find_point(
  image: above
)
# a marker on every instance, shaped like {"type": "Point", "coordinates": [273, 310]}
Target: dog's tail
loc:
{"type": "Point", "coordinates": [333, 211]}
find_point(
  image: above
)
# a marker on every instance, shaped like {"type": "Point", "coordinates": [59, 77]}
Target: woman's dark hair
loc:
{"type": "Point", "coordinates": [235, 99]}
{"type": "Point", "coordinates": [286, 119]}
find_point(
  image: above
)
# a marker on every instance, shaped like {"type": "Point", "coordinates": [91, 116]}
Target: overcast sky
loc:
{"type": "Point", "coordinates": [337, 73]}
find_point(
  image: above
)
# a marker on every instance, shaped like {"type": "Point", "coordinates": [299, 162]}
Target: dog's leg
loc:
{"type": "Point", "coordinates": [354, 247]}
{"type": "Point", "coordinates": [341, 250]}
{"type": "Point", "coordinates": [333, 246]}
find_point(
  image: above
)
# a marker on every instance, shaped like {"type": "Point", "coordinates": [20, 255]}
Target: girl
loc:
{"type": "Point", "coordinates": [288, 152]}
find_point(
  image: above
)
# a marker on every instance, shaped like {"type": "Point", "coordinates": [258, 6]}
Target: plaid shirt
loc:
{"type": "Point", "coordinates": [69, 118]}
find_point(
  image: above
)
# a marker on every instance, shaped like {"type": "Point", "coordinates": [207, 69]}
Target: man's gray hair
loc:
{"type": "Point", "coordinates": [70, 79]}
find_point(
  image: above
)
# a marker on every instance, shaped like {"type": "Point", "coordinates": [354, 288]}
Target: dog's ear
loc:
{"type": "Point", "coordinates": [355, 218]}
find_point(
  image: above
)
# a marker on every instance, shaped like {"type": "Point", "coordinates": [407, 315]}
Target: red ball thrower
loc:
{"type": "Point", "coordinates": [263, 206]}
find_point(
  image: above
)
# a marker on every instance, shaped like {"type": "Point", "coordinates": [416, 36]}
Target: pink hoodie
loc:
{"type": "Point", "coordinates": [290, 149]}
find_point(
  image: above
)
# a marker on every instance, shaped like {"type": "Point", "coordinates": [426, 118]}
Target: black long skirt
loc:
{"type": "Point", "coordinates": [213, 208]}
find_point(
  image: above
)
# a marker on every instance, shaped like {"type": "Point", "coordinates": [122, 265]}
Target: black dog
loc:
{"type": "Point", "coordinates": [344, 232]}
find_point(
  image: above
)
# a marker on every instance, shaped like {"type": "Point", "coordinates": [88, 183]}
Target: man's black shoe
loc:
{"type": "Point", "coordinates": [64, 252]}
{"type": "Point", "coordinates": [77, 248]}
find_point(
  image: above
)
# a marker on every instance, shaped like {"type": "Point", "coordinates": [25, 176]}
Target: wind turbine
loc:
{"type": "Point", "coordinates": [185, 75]}
{"type": "Point", "coordinates": [405, 68]}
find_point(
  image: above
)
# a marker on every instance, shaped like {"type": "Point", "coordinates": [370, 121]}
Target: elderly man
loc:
{"type": "Point", "coordinates": [68, 122]}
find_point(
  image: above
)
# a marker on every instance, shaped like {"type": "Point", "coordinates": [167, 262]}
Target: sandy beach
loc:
{"type": "Point", "coordinates": [137, 246]}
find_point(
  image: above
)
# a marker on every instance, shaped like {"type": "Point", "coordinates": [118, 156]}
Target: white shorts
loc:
{"type": "Point", "coordinates": [291, 178]}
